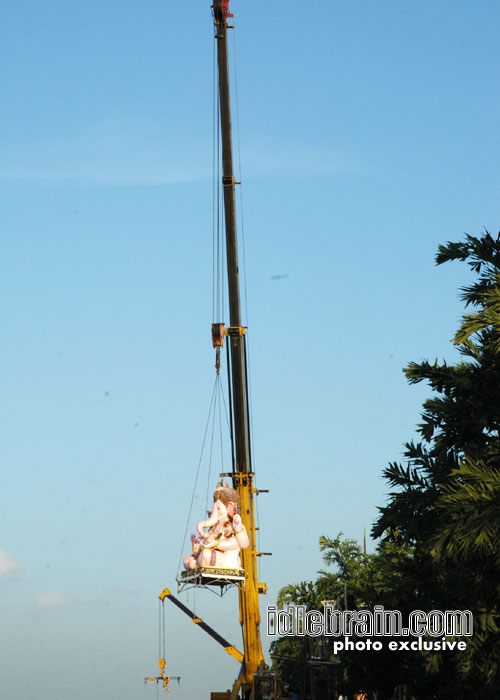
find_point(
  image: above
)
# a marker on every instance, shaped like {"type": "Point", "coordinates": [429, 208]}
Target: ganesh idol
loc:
{"type": "Point", "coordinates": [226, 535]}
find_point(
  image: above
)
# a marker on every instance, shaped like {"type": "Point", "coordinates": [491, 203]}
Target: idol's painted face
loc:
{"type": "Point", "coordinates": [225, 512]}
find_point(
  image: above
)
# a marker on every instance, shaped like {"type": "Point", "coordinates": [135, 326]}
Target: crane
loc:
{"type": "Point", "coordinates": [243, 476]}
{"type": "Point", "coordinates": [253, 681]}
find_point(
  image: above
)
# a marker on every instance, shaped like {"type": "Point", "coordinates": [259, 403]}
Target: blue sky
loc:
{"type": "Point", "coordinates": [368, 137]}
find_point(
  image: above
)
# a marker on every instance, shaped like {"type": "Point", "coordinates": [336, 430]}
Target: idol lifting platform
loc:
{"type": "Point", "coordinates": [212, 576]}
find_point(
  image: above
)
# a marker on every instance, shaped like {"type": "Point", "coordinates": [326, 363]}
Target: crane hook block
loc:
{"type": "Point", "coordinates": [218, 335]}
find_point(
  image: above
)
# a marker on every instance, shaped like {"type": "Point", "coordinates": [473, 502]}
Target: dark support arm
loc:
{"type": "Point", "coordinates": [197, 621]}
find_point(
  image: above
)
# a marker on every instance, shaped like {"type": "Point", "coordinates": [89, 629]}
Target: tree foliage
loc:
{"type": "Point", "coordinates": [440, 530]}
{"type": "Point", "coordinates": [446, 499]}
{"type": "Point", "coordinates": [368, 580]}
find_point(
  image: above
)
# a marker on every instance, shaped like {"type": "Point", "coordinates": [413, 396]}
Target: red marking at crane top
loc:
{"type": "Point", "coordinates": [225, 8]}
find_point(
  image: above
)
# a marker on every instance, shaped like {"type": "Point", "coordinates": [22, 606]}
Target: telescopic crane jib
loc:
{"type": "Point", "coordinates": [251, 683]}
{"type": "Point", "coordinates": [243, 476]}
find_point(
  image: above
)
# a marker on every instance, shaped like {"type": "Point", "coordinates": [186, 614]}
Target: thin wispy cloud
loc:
{"type": "Point", "coordinates": [112, 152]}
{"type": "Point", "coordinates": [8, 565]}
{"type": "Point", "coordinates": [294, 158]}
{"type": "Point", "coordinates": [123, 591]}
{"type": "Point", "coordinates": [126, 151]}
{"type": "Point", "coordinates": [50, 600]}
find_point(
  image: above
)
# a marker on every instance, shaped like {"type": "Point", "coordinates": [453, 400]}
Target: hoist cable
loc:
{"type": "Point", "coordinates": [217, 252]}
{"type": "Point", "coordinates": [159, 628]}
{"type": "Point", "coordinates": [217, 412]}
{"type": "Point", "coordinates": [239, 174]}
{"type": "Point", "coordinates": [225, 410]}
{"type": "Point", "coordinates": [215, 203]}
{"type": "Point", "coordinates": [197, 475]}
{"type": "Point", "coordinates": [231, 426]}
{"type": "Point", "coordinates": [242, 221]}
{"type": "Point", "coordinates": [219, 309]}
{"type": "Point", "coordinates": [219, 303]}
{"type": "Point", "coordinates": [164, 650]}
{"type": "Point", "coordinates": [220, 429]}
{"type": "Point", "coordinates": [217, 379]}
{"type": "Point", "coordinates": [223, 256]}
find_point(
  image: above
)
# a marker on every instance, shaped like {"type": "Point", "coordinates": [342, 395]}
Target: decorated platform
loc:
{"type": "Point", "coordinates": [209, 576]}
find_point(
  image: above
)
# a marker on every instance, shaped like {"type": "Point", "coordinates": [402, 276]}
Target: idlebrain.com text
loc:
{"type": "Point", "coordinates": [379, 622]}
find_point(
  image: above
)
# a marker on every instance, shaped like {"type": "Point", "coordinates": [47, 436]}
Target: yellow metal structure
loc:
{"type": "Point", "coordinates": [229, 648]}
{"type": "Point", "coordinates": [242, 475]}
{"type": "Point", "coordinates": [249, 588]}
{"type": "Point", "coordinates": [162, 678]}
